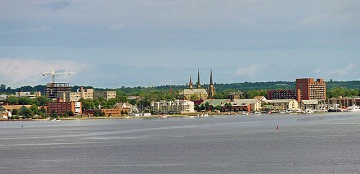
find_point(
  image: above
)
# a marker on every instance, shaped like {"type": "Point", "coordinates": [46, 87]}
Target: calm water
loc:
{"type": "Point", "coordinates": [325, 143]}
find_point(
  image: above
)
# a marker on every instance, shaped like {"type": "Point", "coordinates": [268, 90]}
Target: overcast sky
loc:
{"type": "Point", "coordinates": [114, 43]}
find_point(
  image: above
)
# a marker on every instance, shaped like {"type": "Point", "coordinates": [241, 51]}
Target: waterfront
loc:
{"type": "Point", "coordinates": [319, 143]}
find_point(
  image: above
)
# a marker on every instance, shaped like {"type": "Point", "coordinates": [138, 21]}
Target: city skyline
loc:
{"type": "Point", "coordinates": [151, 43]}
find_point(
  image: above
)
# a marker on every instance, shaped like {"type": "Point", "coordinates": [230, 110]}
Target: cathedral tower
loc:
{"type": "Point", "coordinates": [198, 82]}
{"type": "Point", "coordinates": [211, 90]}
{"type": "Point", "coordinates": [191, 83]}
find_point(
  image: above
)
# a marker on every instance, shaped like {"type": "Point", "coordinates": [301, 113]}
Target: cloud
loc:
{"type": "Point", "coordinates": [14, 71]}
{"type": "Point", "coordinates": [36, 29]}
{"type": "Point", "coordinates": [345, 72]}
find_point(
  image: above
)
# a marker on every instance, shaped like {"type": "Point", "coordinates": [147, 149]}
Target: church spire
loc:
{"type": "Point", "coordinates": [211, 90]}
{"type": "Point", "coordinates": [191, 83]}
{"type": "Point", "coordinates": [198, 82]}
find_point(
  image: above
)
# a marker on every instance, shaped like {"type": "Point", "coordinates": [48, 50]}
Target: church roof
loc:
{"type": "Point", "coordinates": [193, 91]}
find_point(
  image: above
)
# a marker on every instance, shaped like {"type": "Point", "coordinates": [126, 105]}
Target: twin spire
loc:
{"type": "Point", "coordinates": [211, 89]}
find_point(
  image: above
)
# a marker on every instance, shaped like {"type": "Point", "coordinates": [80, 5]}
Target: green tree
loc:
{"type": "Point", "coordinates": [218, 107]}
{"type": "Point", "coordinates": [34, 109]}
{"type": "Point", "coordinates": [42, 101]}
{"type": "Point", "coordinates": [24, 111]}
{"type": "Point", "coordinates": [25, 101]}
{"type": "Point", "coordinates": [12, 100]}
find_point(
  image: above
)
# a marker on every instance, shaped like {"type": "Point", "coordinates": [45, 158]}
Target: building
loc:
{"type": "Point", "coordinates": [284, 104]}
{"type": "Point", "coordinates": [281, 94]}
{"type": "Point", "coordinates": [28, 94]}
{"type": "Point", "coordinates": [310, 104]}
{"type": "Point", "coordinates": [235, 105]}
{"type": "Point", "coordinates": [198, 93]}
{"type": "Point", "coordinates": [107, 95]}
{"type": "Point", "coordinates": [211, 90]}
{"type": "Point", "coordinates": [261, 98]}
{"type": "Point", "coordinates": [249, 104]}
{"type": "Point", "coordinates": [76, 96]}
{"type": "Point", "coordinates": [107, 112]}
{"type": "Point", "coordinates": [128, 107]}
{"type": "Point", "coordinates": [308, 89]}
{"type": "Point", "coordinates": [61, 108]}
{"type": "Point", "coordinates": [53, 89]}
{"type": "Point", "coordinates": [236, 95]}
{"type": "Point", "coordinates": [172, 107]}
{"type": "Point", "coordinates": [3, 113]}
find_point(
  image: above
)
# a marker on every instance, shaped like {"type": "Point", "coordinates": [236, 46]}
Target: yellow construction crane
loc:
{"type": "Point", "coordinates": [53, 73]}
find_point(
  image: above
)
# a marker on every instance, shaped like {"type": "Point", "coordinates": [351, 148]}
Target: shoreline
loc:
{"type": "Point", "coordinates": [191, 115]}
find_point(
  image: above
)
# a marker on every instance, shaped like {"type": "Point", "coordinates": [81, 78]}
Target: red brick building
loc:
{"type": "Point", "coordinates": [61, 108]}
{"type": "Point", "coordinates": [281, 94]}
{"type": "Point", "coordinates": [308, 89]}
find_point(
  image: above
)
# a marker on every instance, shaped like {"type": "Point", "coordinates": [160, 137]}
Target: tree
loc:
{"type": "Point", "coordinates": [42, 101]}
{"type": "Point", "coordinates": [207, 106]}
{"type": "Point", "coordinates": [218, 107]}
{"type": "Point", "coordinates": [34, 108]}
{"type": "Point", "coordinates": [12, 100]}
{"type": "Point", "coordinates": [14, 112]}
{"type": "Point", "coordinates": [24, 111]}
{"type": "Point", "coordinates": [25, 101]}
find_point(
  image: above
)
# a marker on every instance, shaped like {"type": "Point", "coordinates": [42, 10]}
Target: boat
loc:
{"type": "Point", "coordinates": [353, 108]}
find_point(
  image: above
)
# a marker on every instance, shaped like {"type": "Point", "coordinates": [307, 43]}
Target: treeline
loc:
{"type": "Point", "coordinates": [169, 92]}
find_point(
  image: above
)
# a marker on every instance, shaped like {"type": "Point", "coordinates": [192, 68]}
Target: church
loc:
{"type": "Point", "coordinates": [199, 93]}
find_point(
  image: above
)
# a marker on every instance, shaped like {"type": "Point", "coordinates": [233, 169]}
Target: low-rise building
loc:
{"type": "Point", "coordinates": [309, 104]}
{"type": "Point", "coordinates": [172, 107]}
{"type": "Point", "coordinates": [285, 104]}
{"type": "Point", "coordinates": [127, 106]}
{"type": "Point", "coordinates": [234, 105]}
{"type": "Point", "coordinates": [106, 112]}
{"type": "Point", "coordinates": [61, 108]}
{"type": "Point", "coordinates": [249, 104]}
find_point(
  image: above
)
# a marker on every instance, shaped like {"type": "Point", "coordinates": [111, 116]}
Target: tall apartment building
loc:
{"type": "Point", "coordinates": [281, 94]}
{"type": "Point", "coordinates": [308, 89]}
{"type": "Point", "coordinates": [53, 89]}
{"type": "Point", "coordinates": [105, 94]}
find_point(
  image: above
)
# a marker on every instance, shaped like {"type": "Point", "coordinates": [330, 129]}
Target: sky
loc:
{"type": "Point", "coordinates": [115, 43]}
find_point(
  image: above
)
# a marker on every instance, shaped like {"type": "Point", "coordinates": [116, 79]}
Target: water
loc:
{"type": "Point", "coordinates": [324, 143]}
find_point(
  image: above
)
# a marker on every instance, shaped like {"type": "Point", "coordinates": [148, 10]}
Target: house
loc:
{"type": "Point", "coordinates": [127, 106]}
{"type": "Point", "coordinates": [3, 113]}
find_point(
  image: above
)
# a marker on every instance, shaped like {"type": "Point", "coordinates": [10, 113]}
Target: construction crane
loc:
{"type": "Point", "coordinates": [53, 73]}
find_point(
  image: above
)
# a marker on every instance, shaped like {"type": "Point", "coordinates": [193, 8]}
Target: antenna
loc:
{"type": "Point", "coordinates": [53, 73]}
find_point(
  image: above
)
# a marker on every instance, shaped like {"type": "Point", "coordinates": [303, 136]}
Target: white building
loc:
{"type": "Point", "coordinates": [172, 107]}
